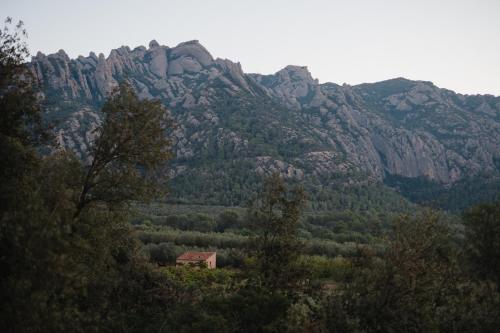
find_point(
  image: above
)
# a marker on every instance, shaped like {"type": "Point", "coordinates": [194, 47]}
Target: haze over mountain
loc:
{"type": "Point", "coordinates": [234, 126]}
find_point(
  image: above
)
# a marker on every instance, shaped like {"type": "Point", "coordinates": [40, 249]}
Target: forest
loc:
{"type": "Point", "coordinates": [90, 245]}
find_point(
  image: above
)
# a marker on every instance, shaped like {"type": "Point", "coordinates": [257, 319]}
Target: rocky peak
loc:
{"type": "Point", "coordinates": [39, 55]}
{"type": "Point", "coordinates": [404, 95]}
{"type": "Point", "coordinates": [122, 51]}
{"type": "Point", "coordinates": [63, 55]}
{"type": "Point", "coordinates": [59, 55]}
{"type": "Point", "coordinates": [293, 73]}
{"type": "Point", "coordinates": [158, 63]}
{"type": "Point", "coordinates": [192, 49]}
{"type": "Point", "coordinates": [93, 55]}
{"type": "Point", "coordinates": [293, 85]}
{"type": "Point", "coordinates": [156, 72]}
{"type": "Point", "coordinates": [153, 44]}
{"type": "Point", "coordinates": [234, 71]}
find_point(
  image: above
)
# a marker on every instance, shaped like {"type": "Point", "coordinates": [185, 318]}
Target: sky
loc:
{"type": "Point", "coordinates": [453, 43]}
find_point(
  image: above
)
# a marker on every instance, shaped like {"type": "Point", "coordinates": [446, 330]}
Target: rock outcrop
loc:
{"type": "Point", "coordinates": [287, 121]}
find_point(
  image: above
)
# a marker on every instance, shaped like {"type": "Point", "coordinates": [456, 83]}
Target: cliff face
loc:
{"type": "Point", "coordinates": [285, 122]}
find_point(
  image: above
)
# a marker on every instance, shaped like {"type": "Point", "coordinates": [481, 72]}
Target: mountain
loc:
{"type": "Point", "coordinates": [350, 146]}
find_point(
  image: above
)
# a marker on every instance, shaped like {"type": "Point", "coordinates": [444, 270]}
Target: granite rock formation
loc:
{"type": "Point", "coordinates": [286, 122]}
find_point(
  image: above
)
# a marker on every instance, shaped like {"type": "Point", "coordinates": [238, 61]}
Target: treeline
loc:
{"type": "Point", "coordinates": [230, 241]}
{"type": "Point", "coordinates": [426, 278]}
{"type": "Point", "coordinates": [337, 225]}
{"type": "Point", "coordinates": [456, 198]}
{"type": "Point", "coordinates": [234, 183]}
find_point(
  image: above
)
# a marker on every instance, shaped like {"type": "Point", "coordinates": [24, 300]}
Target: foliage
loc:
{"type": "Point", "coordinates": [276, 244]}
{"type": "Point", "coordinates": [482, 224]}
{"type": "Point", "coordinates": [62, 266]}
{"type": "Point", "coordinates": [21, 117]}
{"type": "Point", "coordinates": [129, 154]}
{"type": "Point", "coordinates": [479, 188]}
{"type": "Point", "coordinates": [416, 286]}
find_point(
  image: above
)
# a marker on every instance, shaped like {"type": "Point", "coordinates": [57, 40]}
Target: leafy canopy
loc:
{"type": "Point", "coordinates": [128, 158]}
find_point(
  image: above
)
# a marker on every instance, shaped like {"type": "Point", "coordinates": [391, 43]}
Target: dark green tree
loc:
{"type": "Point", "coordinates": [402, 290]}
{"type": "Point", "coordinates": [129, 156]}
{"type": "Point", "coordinates": [18, 102]}
{"type": "Point", "coordinates": [227, 219]}
{"type": "Point", "coordinates": [482, 230]}
{"type": "Point", "coordinates": [67, 255]}
{"type": "Point", "coordinates": [20, 113]}
{"type": "Point", "coordinates": [277, 246]}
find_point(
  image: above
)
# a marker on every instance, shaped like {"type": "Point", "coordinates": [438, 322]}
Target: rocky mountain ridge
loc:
{"type": "Point", "coordinates": [286, 122]}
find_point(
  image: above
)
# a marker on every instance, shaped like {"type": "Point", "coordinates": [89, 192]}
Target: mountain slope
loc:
{"type": "Point", "coordinates": [339, 141]}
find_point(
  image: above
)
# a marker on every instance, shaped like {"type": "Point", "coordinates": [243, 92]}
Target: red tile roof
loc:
{"type": "Point", "coordinates": [193, 256]}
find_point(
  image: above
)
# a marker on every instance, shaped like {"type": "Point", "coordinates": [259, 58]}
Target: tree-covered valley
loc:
{"type": "Point", "coordinates": [371, 208]}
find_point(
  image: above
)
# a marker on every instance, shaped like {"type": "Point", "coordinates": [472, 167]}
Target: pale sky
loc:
{"type": "Point", "coordinates": [453, 43]}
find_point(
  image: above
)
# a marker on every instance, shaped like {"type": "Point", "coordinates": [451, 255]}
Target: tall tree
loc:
{"type": "Point", "coordinates": [402, 290]}
{"type": "Point", "coordinates": [482, 230]}
{"type": "Point", "coordinates": [20, 113]}
{"type": "Point", "coordinates": [277, 246]}
{"type": "Point", "coordinates": [67, 256]}
{"type": "Point", "coordinates": [129, 155]}
{"type": "Point", "coordinates": [18, 102]}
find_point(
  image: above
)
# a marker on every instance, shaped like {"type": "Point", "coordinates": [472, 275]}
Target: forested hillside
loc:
{"type": "Point", "coordinates": [343, 143]}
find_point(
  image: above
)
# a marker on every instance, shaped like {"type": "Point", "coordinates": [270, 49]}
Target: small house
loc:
{"type": "Point", "coordinates": [198, 259]}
